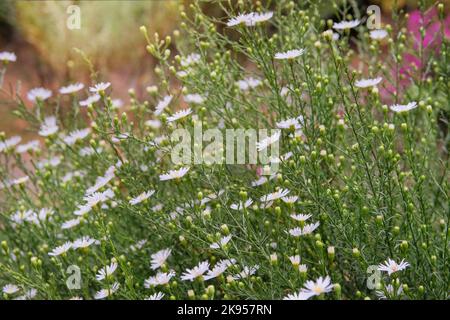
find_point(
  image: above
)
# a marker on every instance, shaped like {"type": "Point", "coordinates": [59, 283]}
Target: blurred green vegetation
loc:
{"type": "Point", "coordinates": [109, 33]}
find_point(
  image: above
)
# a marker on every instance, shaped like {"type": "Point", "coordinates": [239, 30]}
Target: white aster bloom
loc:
{"type": "Point", "coordinates": [290, 200]}
{"type": "Point", "coordinates": [69, 224]}
{"type": "Point", "coordinates": [6, 56]}
{"type": "Point", "coordinates": [264, 143]}
{"type": "Point", "coordinates": [291, 54]}
{"type": "Point", "coordinates": [223, 242]}
{"type": "Point", "coordinates": [154, 124]}
{"type": "Point", "coordinates": [389, 292]}
{"type": "Point", "coordinates": [218, 269]}
{"type": "Point", "coordinates": [316, 288]}
{"type": "Point", "coordinates": [404, 108]}
{"type": "Point", "coordinates": [248, 83]}
{"type": "Point", "coordinates": [83, 242]}
{"type": "Point", "coordinates": [29, 146]}
{"type": "Point", "coordinates": [9, 143]}
{"type": "Point", "coordinates": [307, 229]}
{"type": "Point", "coordinates": [246, 272]}
{"type": "Point", "coordinates": [255, 18]}
{"type": "Point", "coordinates": [39, 94]}
{"type": "Point", "coordinates": [61, 249]}
{"type": "Point", "coordinates": [196, 272]}
{"type": "Point", "coordinates": [297, 296]}
{"type": "Point", "coordinates": [159, 258]}
{"type": "Point", "coordinates": [106, 271]}
{"type": "Point", "coordinates": [191, 59]}
{"type": "Point", "coordinates": [241, 205]}
{"type": "Point", "coordinates": [99, 87]}
{"type": "Point", "coordinates": [160, 279]}
{"type": "Point", "coordinates": [10, 288]}
{"type": "Point", "coordinates": [179, 115]}
{"type": "Point", "coordinates": [259, 182]}
{"type": "Point", "coordinates": [49, 127]}
{"type": "Point", "coordinates": [295, 260]}
{"type": "Point", "coordinates": [82, 210]}
{"type": "Point", "coordinates": [346, 24]}
{"type": "Point", "coordinates": [104, 293]}
{"type": "Point", "coordinates": [364, 83]}
{"type": "Point", "coordinates": [301, 217]}
{"type": "Point", "coordinates": [174, 174]}
{"type": "Point", "coordinates": [98, 197]}
{"type": "Point", "coordinates": [241, 18]}
{"type": "Point", "coordinates": [142, 197]}
{"type": "Point", "coordinates": [71, 88]}
{"type": "Point", "coordinates": [295, 123]}
{"type": "Point", "coordinates": [90, 100]}
{"type": "Point", "coordinates": [275, 195]}
{"type": "Point", "coordinates": [378, 34]}
{"type": "Point", "coordinates": [76, 135]}
{"type": "Point", "coordinates": [194, 98]}
{"type": "Point", "coordinates": [390, 266]}
{"type": "Point", "coordinates": [162, 105]}
{"type": "Point", "coordinates": [156, 296]}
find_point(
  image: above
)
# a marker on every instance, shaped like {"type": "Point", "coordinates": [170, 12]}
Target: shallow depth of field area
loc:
{"type": "Point", "coordinates": [351, 203]}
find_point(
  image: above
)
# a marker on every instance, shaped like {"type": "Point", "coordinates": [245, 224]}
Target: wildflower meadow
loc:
{"type": "Point", "coordinates": [278, 153]}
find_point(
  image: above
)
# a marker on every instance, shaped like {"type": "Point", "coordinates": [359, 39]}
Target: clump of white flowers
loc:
{"type": "Point", "coordinates": [359, 183]}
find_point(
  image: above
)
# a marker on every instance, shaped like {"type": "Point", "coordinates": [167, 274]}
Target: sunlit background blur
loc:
{"type": "Point", "coordinates": [109, 35]}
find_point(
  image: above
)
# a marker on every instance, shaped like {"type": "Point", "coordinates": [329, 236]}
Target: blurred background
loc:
{"type": "Point", "coordinates": [109, 35]}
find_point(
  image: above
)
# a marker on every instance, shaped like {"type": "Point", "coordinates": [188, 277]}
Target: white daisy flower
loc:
{"type": "Point", "coordinates": [194, 98]}
{"type": "Point", "coordinates": [196, 272]}
{"type": "Point", "coordinates": [241, 205]}
{"type": "Point", "coordinates": [82, 210]}
{"type": "Point", "coordinates": [316, 288]}
{"type": "Point", "coordinates": [99, 87]}
{"type": "Point", "coordinates": [275, 195]}
{"type": "Point", "coordinates": [297, 296]}
{"type": "Point", "coordinates": [10, 288]}
{"type": "Point", "coordinates": [49, 127]}
{"type": "Point", "coordinates": [290, 54]}
{"type": "Point", "coordinates": [295, 260]}
{"type": "Point", "coordinates": [309, 228]}
{"type": "Point", "coordinates": [191, 59]}
{"type": "Point", "coordinates": [218, 269]}
{"type": "Point", "coordinates": [29, 146]}
{"type": "Point", "coordinates": [71, 88]}
{"type": "Point", "coordinates": [223, 242]}
{"type": "Point", "coordinates": [346, 24]}
{"type": "Point", "coordinates": [258, 17]}
{"type": "Point", "coordinates": [179, 115]}
{"type": "Point", "coordinates": [162, 104]}
{"type": "Point", "coordinates": [295, 123]}
{"type": "Point", "coordinates": [264, 143]}
{"type": "Point", "coordinates": [156, 296]}
{"type": "Point", "coordinates": [174, 174]}
{"type": "Point", "coordinates": [241, 18]}
{"type": "Point", "coordinates": [378, 34]}
{"type": "Point", "coordinates": [404, 108]}
{"type": "Point", "coordinates": [159, 258]}
{"type": "Point", "coordinates": [61, 249]}
{"type": "Point", "coordinates": [83, 242]}
{"type": "Point", "coordinates": [364, 83]}
{"type": "Point", "coordinates": [143, 196]}
{"type": "Point", "coordinates": [52, 162]}
{"type": "Point", "coordinates": [69, 224]}
{"type": "Point", "coordinates": [290, 200]}
{"type": "Point", "coordinates": [246, 272]}
{"type": "Point", "coordinates": [160, 279]}
{"type": "Point", "coordinates": [102, 181]}
{"type": "Point", "coordinates": [6, 56]}
{"type": "Point", "coordinates": [104, 293]}
{"type": "Point", "coordinates": [76, 135]}
{"type": "Point", "coordinates": [39, 94]}
{"type": "Point", "coordinates": [97, 197]}
{"type": "Point", "coordinates": [90, 100]}
{"type": "Point", "coordinates": [301, 217]}
{"type": "Point", "coordinates": [259, 182]}
{"type": "Point", "coordinates": [9, 143]}
{"type": "Point", "coordinates": [390, 266]}
{"type": "Point", "coordinates": [248, 83]}
{"type": "Point", "coordinates": [154, 124]}
{"type": "Point", "coordinates": [106, 271]}
{"type": "Point", "coordinates": [303, 268]}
